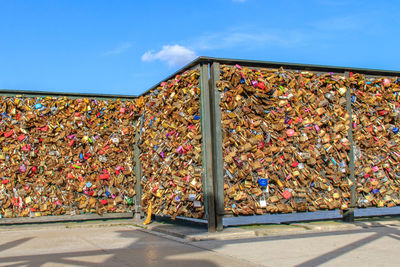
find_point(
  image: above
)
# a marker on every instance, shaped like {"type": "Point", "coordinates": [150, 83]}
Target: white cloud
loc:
{"type": "Point", "coordinates": [119, 49]}
{"type": "Point", "coordinates": [174, 55]}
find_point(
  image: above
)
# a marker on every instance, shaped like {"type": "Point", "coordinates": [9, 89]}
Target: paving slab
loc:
{"type": "Point", "coordinates": [99, 245]}
{"type": "Point", "coordinates": [373, 242]}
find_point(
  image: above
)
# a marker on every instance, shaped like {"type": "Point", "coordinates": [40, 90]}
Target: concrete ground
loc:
{"type": "Point", "coordinates": [121, 243]}
{"type": "Point", "coordinates": [112, 245]}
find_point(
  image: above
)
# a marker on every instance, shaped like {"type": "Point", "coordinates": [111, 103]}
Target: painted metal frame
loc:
{"type": "Point", "coordinates": [82, 217]}
{"type": "Point", "coordinates": [27, 93]}
{"type": "Point", "coordinates": [211, 60]}
{"type": "Point", "coordinates": [138, 172]}
{"type": "Point", "coordinates": [207, 175]}
{"type": "Point", "coordinates": [217, 157]}
{"type": "Point", "coordinates": [207, 148]}
{"type": "Point", "coordinates": [347, 215]}
{"type": "Point", "coordinates": [213, 165]}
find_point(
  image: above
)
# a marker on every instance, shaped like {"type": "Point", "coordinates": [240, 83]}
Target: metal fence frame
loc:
{"type": "Point", "coordinates": [211, 128]}
{"type": "Point", "coordinates": [80, 217]}
{"type": "Point", "coordinates": [220, 220]}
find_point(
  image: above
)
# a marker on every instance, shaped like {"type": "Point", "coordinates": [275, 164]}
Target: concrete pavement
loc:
{"type": "Point", "coordinates": [120, 243]}
{"type": "Point", "coordinates": [114, 245]}
{"type": "Point", "coordinates": [377, 245]}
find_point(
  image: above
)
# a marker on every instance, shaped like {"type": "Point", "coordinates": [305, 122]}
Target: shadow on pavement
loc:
{"type": "Point", "coordinates": [14, 243]}
{"type": "Point", "coordinates": [378, 231]}
{"type": "Point", "coordinates": [145, 250]}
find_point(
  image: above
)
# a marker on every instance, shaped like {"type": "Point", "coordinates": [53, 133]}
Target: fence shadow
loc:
{"type": "Point", "coordinates": [144, 250]}
{"type": "Point", "coordinates": [377, 231]}
{"type": "Point", "coordinates": [147, 249]}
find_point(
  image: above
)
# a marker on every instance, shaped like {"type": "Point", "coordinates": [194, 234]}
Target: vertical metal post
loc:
{"type": "Point", "coordinates": [348, 215]}
{"type": "Point", "coordinates": [216, 131]}
{"type": "Point", "coordinates": [138, 173]}
{"type": "Point", "coordinates": [205, 114]}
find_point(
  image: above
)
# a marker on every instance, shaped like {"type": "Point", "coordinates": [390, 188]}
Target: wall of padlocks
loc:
{"type": "Point", "coordinates": [286, 145]}
{"type": "Point", "coordinates": [171, 148]}
{"type": "Point", "coordinates": [376, 118]}
{"type": "Point", "coordinates": [66, 156]}
{"type": "Point", "coordinates": [285, 142]}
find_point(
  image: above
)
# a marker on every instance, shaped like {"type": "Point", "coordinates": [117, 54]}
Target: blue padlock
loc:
{"type": "Point", "coordinates": [262, 182]}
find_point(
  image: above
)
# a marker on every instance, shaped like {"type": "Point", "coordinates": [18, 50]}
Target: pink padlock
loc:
{"type": "Point", "coordinates": [386, 82]}
{"type": "Point", "coordinates": [22, 168]}
{"type": "Point", "coordinates": [290, 132]}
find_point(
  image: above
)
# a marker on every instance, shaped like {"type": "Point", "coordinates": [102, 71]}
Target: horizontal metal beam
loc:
{"type": "Point", "coordinates": [272, 64]}
{"type": "Point", "coordinates": [28, 93]}
{"type": "Point", "coordinates": [65, 218]}
{"type": "Point", "coordinates": [308, 216]}
{"type": "Point", "coordinates": [297, 66]}
{"type": "Point", "coordinates": [210, 60]}
{"type": "Point", "coordinates": [372, 211]}
{"type": "Point", "coordinates": [180, 219]}
{"type": "Point", "coordinates": [282, 218]}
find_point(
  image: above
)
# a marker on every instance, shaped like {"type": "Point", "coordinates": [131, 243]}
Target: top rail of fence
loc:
{"type": "Point", "coordinates": [210, 60]}
{"type": "Point", "coordinates": [29, 93]}
{"type": "Point", "coordinates": [272, 64]}
{"type": "Point", "coordinates": [296, 66]}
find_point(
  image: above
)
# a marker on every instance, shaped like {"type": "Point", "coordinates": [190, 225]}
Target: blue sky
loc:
{"type": "Point", "coordinates": [125, 47]}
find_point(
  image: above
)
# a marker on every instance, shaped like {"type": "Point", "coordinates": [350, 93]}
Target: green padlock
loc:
{"type": "Point", "coordinates": [128, 200]}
